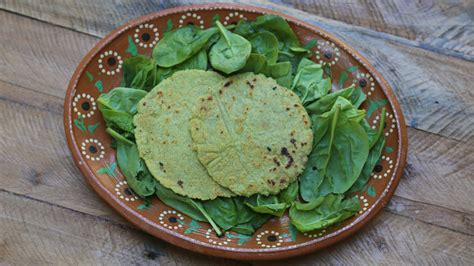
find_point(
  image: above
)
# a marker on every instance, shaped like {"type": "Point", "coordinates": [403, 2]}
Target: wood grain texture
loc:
{"type": "Point", "coordinates": [423, 81]}
{"type": "Point", "coordinates": [46, 235]}
{"type": "Point", "coordinates": [35, 233]}
{"type": "Point", "coordinates": [49, 215]}
{"type": "Point", "coordinates": [442, 25]}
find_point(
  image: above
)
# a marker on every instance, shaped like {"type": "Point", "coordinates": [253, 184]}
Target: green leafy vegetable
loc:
{"type": "Point", "coordinates": [133, 168]}
{"type": "Point", "coordinates": [118, 107]}
{"type": "Point", "coordinates": [181, 44]}
{"type": "Point", "coordinates": [326, 102]}
{"type": "Point", "coordinates": [332, 209]}
{"type": "Point", "coordinates": [266, 204]}
{"type": "Point", "coordinates": [140, 72]}
{"type": "Point", "coordinates": [308, 83]}
{"type": "Point", "coordinates": [231, 51]}
{"type": "Point", "coordinates": [270, 23]}
{"type": "Point", "coordinates": [265, 43]}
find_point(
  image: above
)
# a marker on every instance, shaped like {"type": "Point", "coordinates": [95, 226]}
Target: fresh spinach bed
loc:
{"type": "Point", "coordinates": [345, 148]}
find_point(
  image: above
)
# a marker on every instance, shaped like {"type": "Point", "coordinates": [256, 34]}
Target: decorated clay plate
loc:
{"type": "Point", "coordinates": [100, 71]}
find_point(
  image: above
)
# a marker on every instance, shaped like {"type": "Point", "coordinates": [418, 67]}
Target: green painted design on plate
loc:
{"type": "Point", "coordinates": [389, 149]}
{"type": "Point", "coordinates": [241, 239]}
{"type": "Point", "coordinates": [193, 226]}
{"type": "Point", "coordinates": [79, 122]}
{"type": "Point", "coordinates": [89, 76]}
{"type": "Point", "coordinates": [352, 69]}
{"type": "Point", "coordinates": [92, 128]}
{"type": "Point", "coordinates": [344, 76]}
{"type": "Point", "coordinates": [109, 170]}
{"type": "Point", "coordinates": [132, 48]}
{"type": "Point", "coordinates": [99, 85]}
{"type": "Point", "coordinates": [374, 105]}
{"type": "Point", "coordinates": [371, 191]}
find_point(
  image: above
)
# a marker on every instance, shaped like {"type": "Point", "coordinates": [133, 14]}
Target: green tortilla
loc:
{"type": "Point", "coordinates": [252, 135]}
{"type": "Point", "coordinates": [163, 137]}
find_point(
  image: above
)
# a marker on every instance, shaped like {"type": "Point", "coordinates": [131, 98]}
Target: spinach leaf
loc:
{"type": "Point", "coordinates": [223, 211]}
{"type": "Point", "coordinates": [349, 152]}
{"type": "Point", "coordinates": [289, 194]}
{"type": "Point", "coordinates": [256, 63]}
{"type": "Point", "coordinates": [197, 61]}
{"type": "Point", "coordinates": [133, 168]}
{"type": "Point", "coordinates": [265, 43]}
{"type": "Point", "coordinates": [181, 44]}
{"type": "Point", "coordinates": [372, 159]}
{"type": "Point", "coordinates": [118, 107]}
{"type": "Point", "coordinates": [248, 228]}
{"type": "Point", "coordinates": [192, 208]}
{"type": "Point", "coordinates": [270, 23]}
{"type": "Point", "coordinates": [231, 51]}
{"type": "Point", "coordinates": [358, 97]}
{"type": "Point", "coordinates": [140, 72]}
{"type": "Point", "coordinates": [332, 210]}
{"type": "Point", "coordinates": [326, 102]}
{"type": "Point", "coordinates": [318, 160]}
{"type": "Point", "coordinates": [281, 72]}
{"type": "Point", "coordinates": [308, 83]}
{"type": "Point", "coordinates": [266, 204]}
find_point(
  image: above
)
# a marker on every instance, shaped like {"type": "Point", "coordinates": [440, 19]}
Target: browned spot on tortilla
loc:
{"type": "Point", "coordinates": [295, 105]}
{"type": "Point", "coordinates": [220, 92]}
{"type": "Point", "coordinates": [284, 152]}
{"type": "Point", "coordinates": [233, 98]}
{"type": "Point", "coordinates": [169, 106]}
{"type": "Point", "coordinates": [292, 133]}
{"type": "Point", "coordinates": [274, 88]}
{"type": "Point", "coordinates": [180, 183]}
{"type": "Point", "coordinates": [144, 103]}
{"type": "Point", "coordinates": [227, 84]}
{"type": "Point", "coordinates": [269, 149]}
{"type": "Point", "coordinates": [160, 93]}
{"type": "Point", "coordinates": [209, 98]}
{"type": "Point", "coordinates": [250, 85]}
{"type": "Point", "coordinates": [288, 108]}
{"type": "Point", "coordinates": [293, 141]}
{"type": "Point", "coordinates": [271, 182]}
{"type": "Point", "coordinates": [276, 161]}
{"type": "Point", "coordinates": [282, 181]}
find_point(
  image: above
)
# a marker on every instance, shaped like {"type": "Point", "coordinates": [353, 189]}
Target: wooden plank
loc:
{"type": "Point", "coordinates": [436, 174]}
{"type": "Point", "coordinates": [444, 26]}
{"type": "Point", "coordinates": [33, 59]}
{"type": "Point", "coordinates": [36, 161]}
{"type": "Point", "coordinates": [393, 240]}
{"type": "Point", "coordinates": [433, 24]}
{"type": "Point", "coordinates": [432, 214]}
{"type": "Point", "coordinates": [432, 100]}
{"type": "Point", "coordinates": [35, 233]}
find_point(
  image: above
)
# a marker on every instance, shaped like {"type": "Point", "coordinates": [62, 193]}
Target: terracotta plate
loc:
{"type": "Point", "coordinates": [101, 70]}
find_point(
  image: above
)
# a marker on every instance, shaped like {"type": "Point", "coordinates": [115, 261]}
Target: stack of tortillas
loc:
{"type": "Point", "coordinates": [204, 136]}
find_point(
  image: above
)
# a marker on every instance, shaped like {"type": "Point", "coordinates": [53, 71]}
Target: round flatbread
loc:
{"type": "Point", "coordinates": [252, 135]}
{"type": "Point", "coordinates": [163, 136]}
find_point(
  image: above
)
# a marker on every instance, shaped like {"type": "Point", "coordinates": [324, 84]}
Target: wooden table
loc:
{"type": "Point", "coordinates": [425, 49]}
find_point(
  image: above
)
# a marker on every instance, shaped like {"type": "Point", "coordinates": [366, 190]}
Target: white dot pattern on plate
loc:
{"type": "Point", "coordinates": [92, 149]}
{"type": "Point", "coordinates": [171, 219]}
{"type": "Point", "coordinates": [191, 18]}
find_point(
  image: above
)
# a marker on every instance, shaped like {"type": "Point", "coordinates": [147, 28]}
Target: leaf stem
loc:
{"type": "Point", "coordinates": [117, 136]}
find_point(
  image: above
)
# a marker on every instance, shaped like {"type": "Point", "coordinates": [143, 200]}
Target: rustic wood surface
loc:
{"type": "Point", "coordinates": [425, 49]}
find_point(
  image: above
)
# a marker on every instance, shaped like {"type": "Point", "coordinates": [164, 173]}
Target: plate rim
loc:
{"type": "Point", "coordinates": [197, 246]}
